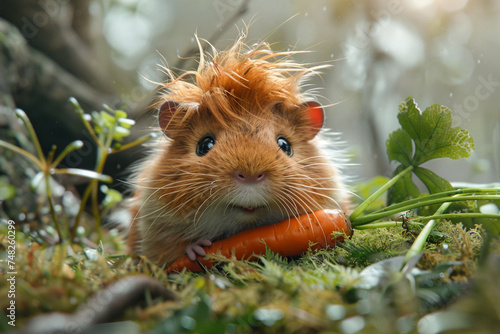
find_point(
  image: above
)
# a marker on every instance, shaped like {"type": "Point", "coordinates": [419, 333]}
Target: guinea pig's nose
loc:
{"type": "Point", "coordinates": [247, 178]}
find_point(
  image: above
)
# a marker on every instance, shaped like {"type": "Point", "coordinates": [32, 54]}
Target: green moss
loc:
{"type": "Point", "coordinates": [370, 246]}
{"type": "Point", "coordinates": [320, 291]}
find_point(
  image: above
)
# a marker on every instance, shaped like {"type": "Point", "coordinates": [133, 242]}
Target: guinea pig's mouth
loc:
{"type": "Point", "coordinates": [246, 209]}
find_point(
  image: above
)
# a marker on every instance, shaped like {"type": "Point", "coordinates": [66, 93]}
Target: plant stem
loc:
{"type": "Point", "coordinates": [419, 243]}
{"type": "Point", "coordinates": [83, 201]}
{"type": "Point", "coordinates": [51, 206]}
{"type": "Point", "coordinates": [439, 195]}
{"type": "Point", "coordinates": [22, 152]}
{"type": "Point", "coordinates": [92, 189]}
{"type": "Point", "coordinates": [27, 123]}
{"type": "Point", "coordinates": [50, 158]}
{"type": "Point", "coordinates": [412, 204]}
{"type": "Point", "coordinates": [476, 185]}
{"type": "Point", "coordinates": [392, 223]}
{"type": "Point", "coordinates": [359, 210]}
{"type": "Point", "coordinates": [95, 209]}
{"type": "Point", "coordinates": [459, 215]}
{"type": "Point", "coordinates": [75, 145]}
{"type": "Point", "coordinates": [136, 142]}
{"type": "Point", "coordinates": [389, 223]}
{"type": "Point", "coordinates": [102, 154]}
{"type": "Point", "coordinates": [87, 125]}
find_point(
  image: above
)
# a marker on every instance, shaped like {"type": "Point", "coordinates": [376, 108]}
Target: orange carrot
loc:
{"type": "Point", "coordinates": [290, 237]}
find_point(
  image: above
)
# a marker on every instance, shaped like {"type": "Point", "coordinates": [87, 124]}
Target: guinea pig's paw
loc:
{"type": "Point", "coordinates": [194, 249]}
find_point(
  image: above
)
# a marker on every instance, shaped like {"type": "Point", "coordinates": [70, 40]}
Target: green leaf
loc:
{"type": "Point", "coordinates": [399, 147]}
{"type": "Point", "coordinates": [403, 189]}
{"type": "Point", "coordinates": [432, 133]}
{"type": "Point", "coordinates": [432, 181]}
{"type": "Point", "coordinates": [424, 136]}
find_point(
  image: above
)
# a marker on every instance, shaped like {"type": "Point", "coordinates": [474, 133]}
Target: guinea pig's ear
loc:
{"type": "Point", "coordinates": [167, 111]}
{"type": "Point", "coordinates": [316, 116]}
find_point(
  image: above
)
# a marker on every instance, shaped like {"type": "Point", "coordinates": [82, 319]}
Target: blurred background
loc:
{"type": "Point", "coordinates": [438, 51]}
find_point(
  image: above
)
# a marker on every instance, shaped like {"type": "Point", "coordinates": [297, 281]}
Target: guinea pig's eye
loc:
{"type": "Point", "coordinates": [285, 145]}
{"type": "Point", "coordinates": [205, 144]}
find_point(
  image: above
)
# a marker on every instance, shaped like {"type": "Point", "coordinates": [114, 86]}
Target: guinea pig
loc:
{"type": "Point", "coordinates": [239, 150]}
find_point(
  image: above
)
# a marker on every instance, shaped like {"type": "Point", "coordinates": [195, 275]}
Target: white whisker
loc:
{"type": "Point", "coordinates": [308, 191]}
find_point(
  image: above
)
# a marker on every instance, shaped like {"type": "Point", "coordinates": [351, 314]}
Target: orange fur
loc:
{"type": "Point", "coordinates": [245, 97]}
